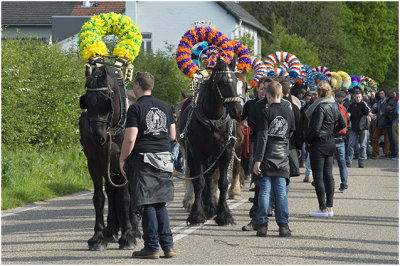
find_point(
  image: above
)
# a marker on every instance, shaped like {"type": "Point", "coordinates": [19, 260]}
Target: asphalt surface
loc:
{"type": "Point", "coordinates": [363, 230]}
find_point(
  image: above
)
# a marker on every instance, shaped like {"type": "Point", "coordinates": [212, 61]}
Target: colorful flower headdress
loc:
{"type": "Point", "coordinates": [196, 35]}
{"type": "Point", "coordinates": [260, 68]}
{"type": "Point", "coordinates": [91, 36]}
{"type": "Point", "coordinates": [293, 63]}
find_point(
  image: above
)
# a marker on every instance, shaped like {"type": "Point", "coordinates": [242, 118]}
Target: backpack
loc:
{"type": "Point", "coordinates": [344, 113]}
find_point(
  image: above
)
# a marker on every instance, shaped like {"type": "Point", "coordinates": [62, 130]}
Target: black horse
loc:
{"type": "Point", "coordinates": [209, 131]}
{"type": "Point", "coordinates": [102, 131]}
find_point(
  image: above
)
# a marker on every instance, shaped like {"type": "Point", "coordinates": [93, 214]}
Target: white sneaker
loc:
{"type": "Point", "coordinates": [330, 214]}
{"type": "Point", "coordinates": [319, 213]}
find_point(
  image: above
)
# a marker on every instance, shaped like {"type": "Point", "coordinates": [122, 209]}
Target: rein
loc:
{"type": "Point", "coordinates": [216, 160]}
{"type": "Point", "coordinates": [113, 130]}
{"type": "Point", "coordinates": [246, 132]}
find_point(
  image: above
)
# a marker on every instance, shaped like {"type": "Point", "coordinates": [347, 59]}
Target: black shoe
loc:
{"type": "Point", "coordinates": [341, 190]}
{"type": "Point", "coordinates": [251, 199]}
{"type": "Point", "coordinates": [262, 229]}
{"type": "Point", "coordinates": [373, 157]}
{"type": "Point", "coordinates": [284, 230]}
{"type": "Point", "coordinates": [360, 165]}
{"type": "Point", "coordinates": [348, 165]}
{"type": "Point", "coordinates": [250, 227]}
{"type": "Point", "coordinates": [301, 164]}
{"type": "Point", "coordinates": [252, 189]}
{"type": "Point", "coordinates": [313, 184]}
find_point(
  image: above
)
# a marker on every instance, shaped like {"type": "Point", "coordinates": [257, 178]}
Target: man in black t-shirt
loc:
{"type": "Point", "coordinates": [147, 163]}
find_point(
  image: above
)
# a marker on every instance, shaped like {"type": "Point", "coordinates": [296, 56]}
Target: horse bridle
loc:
{"type": "Point", "coordinates": [225, 99]}
{"type": "Point", "coordinates": [108, 120]}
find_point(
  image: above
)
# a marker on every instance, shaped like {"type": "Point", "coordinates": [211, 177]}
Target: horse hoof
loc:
{"type": "Point", "coordinates": [97, 247]}
{"type": "Point", "coordinates": [127, 246]}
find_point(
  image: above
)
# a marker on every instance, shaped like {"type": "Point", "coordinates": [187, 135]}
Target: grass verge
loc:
{"type": "Point", "coordinates": [31, 175]}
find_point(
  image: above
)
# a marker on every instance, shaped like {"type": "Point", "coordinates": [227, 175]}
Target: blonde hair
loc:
{"type": "Point", "coordinates": [274, 88]}
{"type": "Point", "coordinates": [324, 89]}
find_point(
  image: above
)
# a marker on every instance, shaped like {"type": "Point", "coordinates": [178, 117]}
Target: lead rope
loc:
{"type": "Point", "coordinates": [216, 160]}
{"type": "Point", "coordinates": [108, 164]}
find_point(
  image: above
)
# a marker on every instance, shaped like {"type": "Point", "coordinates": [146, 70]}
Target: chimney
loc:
{"type": "Point", "coordinates": [86, 4]}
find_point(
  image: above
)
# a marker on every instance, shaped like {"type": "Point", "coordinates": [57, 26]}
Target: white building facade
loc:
{"type": "Point", "coordinates": [166, 22]}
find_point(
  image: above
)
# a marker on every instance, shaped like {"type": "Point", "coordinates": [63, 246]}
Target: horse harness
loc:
{"type": "Point", "coordinates": [210, 124]}
{"type": "Point", "coordinates": [113, 130]}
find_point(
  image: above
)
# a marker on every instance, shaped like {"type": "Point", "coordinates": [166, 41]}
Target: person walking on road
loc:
{"type": "Point", "coordinates": [381, 124]}
{"type": "Point", "coordinates": [358, 134]}
{"type": "Point", "coordinates": [322, 115]}
{"type": "Point", "coordinates": [340, 153]}
{"type": "Point", "coordinates": [275, 124]}
{"type": "Point", "coordinates": [148, 164]}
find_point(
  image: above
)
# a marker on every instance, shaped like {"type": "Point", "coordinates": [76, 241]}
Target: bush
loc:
{"type": "Point", "coordinates": [40, 92]}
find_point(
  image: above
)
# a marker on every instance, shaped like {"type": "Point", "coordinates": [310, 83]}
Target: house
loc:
{"type": "Point", "coordinates": [166, 22]}
{"type": "Point", "coordinates": [160, 22]}
{"type": "Point", "coordinates": [54, 20]}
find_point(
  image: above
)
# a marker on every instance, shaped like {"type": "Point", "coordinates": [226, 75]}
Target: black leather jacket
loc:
{"type": "Point", "coordinates": [323, 120]}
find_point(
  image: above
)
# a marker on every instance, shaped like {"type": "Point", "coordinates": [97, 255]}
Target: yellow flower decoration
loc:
{"type": "Point", "coordinates": [92, 32]}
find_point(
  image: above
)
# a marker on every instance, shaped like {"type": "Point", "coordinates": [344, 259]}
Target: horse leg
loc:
{"type": "Point", "coordinates": [97, 241]}
{"type": "Point", "coordinates": [188, 199]}
{"type": "Point", "coordinates": [111, 231]}
{"type": "Point", "coordinates": [234, 190]}
{"type": "Point", "coordinates": [209, 195]}
{"type": "Point", "coordinates": [197, 215]}
{"type": "Point", "coordinates": [128, 234]}
{"type": "Point", "coordinates": [224, 216]}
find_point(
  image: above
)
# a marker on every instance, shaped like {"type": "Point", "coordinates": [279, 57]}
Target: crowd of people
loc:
{"type": "Point", "coordinates": [342, 124]}
{"type": "Point", "coordinates": [292, 127]}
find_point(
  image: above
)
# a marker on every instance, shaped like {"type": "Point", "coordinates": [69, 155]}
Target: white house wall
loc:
{"type": "Point", "coordinates": [168, 21]}
{"type": "Point", "coordinates": [41, 32]}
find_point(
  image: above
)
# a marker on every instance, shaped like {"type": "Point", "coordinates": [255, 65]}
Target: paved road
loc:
{"type": "Point", "coordinates": [364, 229]}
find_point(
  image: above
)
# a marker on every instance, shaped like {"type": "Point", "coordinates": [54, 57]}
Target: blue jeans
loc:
{"type": "Point", "coordinates": [355, 138]}
{"type": "Point", "coordinates": [393, 146]}
{"type": "Point", "coordinates": [156, 229]}
{"type": "Point", "coordinates": [282, 208]}
{"type": "Point", "coordinates": [308, 166]}
{"type": "Point", "coordinates": [272, 196]}
{"type": "Point", "coordinates": [341, 160]}
{"type": "Point", "coordinates": [176, 152]}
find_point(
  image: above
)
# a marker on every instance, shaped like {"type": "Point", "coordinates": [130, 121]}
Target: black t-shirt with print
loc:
{"type": "Point", "coordinates": [153, 119]}
{"type": "Point", "coordinates": [278, 119]}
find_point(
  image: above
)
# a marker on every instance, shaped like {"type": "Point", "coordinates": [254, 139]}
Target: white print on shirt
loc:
{"type": "Point", "coordinates": [278, 127]}
{"type": "Point", "coordinates": [156, 121]}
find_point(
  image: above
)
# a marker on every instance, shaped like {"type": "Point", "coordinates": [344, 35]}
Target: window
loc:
{"type": "Point", "coordinates": [146, 41]}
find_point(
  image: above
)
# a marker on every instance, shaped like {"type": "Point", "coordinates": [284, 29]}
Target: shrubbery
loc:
{"type": "Point", "coordinates": [41, 86]}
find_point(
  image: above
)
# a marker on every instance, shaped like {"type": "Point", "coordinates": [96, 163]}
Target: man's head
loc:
{"type": "Point", "coordinates": [260, 88]}
{"type": "Point", "coordinates": [357, 96]}
{"type": "Point", "coordinates": [381, 94]}
{"type": "Point", "coordinates": [274, 90]}
{"type": "Point", "coordinates": [340, 95]}
{"type": "Point", "coordinates": [145, 80]}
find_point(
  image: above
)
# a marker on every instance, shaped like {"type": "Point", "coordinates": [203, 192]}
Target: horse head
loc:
{"type": "Point", "coordinates": [229, 89]}
{"type": "Point", "coordinates": [100, 101]}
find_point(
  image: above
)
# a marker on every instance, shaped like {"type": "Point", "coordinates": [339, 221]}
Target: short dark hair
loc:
{"type": "Point", "coordinates": [339, 93]}
{"type": "Point", "coordinates": [145, 80]}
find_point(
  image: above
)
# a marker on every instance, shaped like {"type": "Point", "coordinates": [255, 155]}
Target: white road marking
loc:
{"type": "Point", "coordinates": [23, 210]}
{"type": "Point", "coordinates": [192, 229]}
